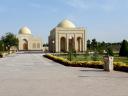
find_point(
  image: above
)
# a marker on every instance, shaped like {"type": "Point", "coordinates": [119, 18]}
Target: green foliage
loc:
{"type": "Point", "coordinates": [9, 40]}
{"type": "Point", "coordinates": [45, 45]}
{"type": "Point", "coordinates": [95, 56]}
{"type": "Point", "coordinates": [86, 56]}
{"type": "Point", "coordinates": [124, 49]}
{"type": "Point", "coordinates": [119, 66]}
{"type": "Point", "coordinates": [94, 45]}
{"type": "Point", "coordinates": [70, 55]}
{"type": "Point", "coordinates": [1, 45]}
{"type": "Point", "coordinates": [110, 52]}
{"type": "Point", "coordinates": [1, 55]}
{"type": "Point", "coordinates": [88, 44]}
{"type": "Point", "coordinates": [92, 56]}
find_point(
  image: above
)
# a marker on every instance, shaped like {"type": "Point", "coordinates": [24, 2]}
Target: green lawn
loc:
{"type": "Point", "coordinates": [83, 57]}
{"type": "Point", "coordinates": [121, 59]}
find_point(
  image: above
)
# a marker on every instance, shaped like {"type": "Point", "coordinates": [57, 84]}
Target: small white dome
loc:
{"type": "Point", "coordinates": [66, 24]}
{"type": "Point", "coordinates": [25, 30]}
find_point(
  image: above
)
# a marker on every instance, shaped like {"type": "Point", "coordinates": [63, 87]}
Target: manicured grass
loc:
{"type": "Point", "coordinates": [118, 66]}
{"type": "Point", "coordinates": [82, 57]}
{"type": "Point", "coordinates": [85, 57]}
{"type": "Point", "coordinates": [121, 59]}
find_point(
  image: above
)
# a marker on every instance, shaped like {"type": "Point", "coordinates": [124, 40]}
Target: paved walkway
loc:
{"type": "Point", "coordinates": [33, 75]}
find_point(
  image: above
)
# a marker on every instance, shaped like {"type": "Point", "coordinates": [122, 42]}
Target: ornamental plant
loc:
{"type": "Point", "coordinates": [119, 66]}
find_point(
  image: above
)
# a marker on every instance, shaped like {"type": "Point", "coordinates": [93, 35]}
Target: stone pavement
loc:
{"type": "Point", "coordinates": [33, 75]}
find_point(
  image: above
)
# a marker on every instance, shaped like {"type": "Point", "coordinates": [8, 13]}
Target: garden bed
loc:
{"type": "Point", "coordinates": [118, 66]}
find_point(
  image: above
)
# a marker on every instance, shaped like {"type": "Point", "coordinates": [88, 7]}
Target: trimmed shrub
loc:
{"type": "Point", "coordinates": [118, 66]}
{"type": "Point", "coordinates": [93, 64]}
{"type": "Point", "coordinates": [1, 55]}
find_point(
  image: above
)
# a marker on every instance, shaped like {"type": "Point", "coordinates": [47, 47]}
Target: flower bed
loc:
{"type": "Point", "coordinates": [93, 64]}
{"type": "Point", "coordinates": [118, 66]}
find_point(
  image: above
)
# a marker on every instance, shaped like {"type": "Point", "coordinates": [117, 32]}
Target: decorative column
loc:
{"type": "Point", "coordinates": [67, 42]}
{"type": "Point", "coordinates": [59, 43]}
{"type": "Point", "coordinates": [53, 46]}
{"type": "Point", "coordinates": [75, 40]}
{"type": "Point", "coordinates": [81, 44]}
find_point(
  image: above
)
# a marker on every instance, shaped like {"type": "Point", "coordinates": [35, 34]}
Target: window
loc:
{"type": "Point", "coordinates": [34, 45]}
{"type": "Point", "coordinates": [38, 45]}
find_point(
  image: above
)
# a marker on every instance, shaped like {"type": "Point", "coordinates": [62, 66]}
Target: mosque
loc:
{"type": "Point", "coordinates": [63, 38]}
{"type": "Point", "coordinates": [66, 37]}
{"type": "Point", "coordinates": [28, 42]}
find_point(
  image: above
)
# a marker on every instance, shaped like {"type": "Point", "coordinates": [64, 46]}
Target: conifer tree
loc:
{"type": "Point", "coordinates": [124, 48]}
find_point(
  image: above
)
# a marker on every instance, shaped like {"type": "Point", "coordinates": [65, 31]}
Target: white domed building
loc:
{"type": "Point", "coordinates": [66, 37]}
{"type": "Point", "coordinates": [27, 42]}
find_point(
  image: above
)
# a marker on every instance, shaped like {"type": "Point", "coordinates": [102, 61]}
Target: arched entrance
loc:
{"type": "Point", "coordinates": [71, 44]}
{"type": "Point", "coordinates": [63, 44]}
{"type": "Point", "coordinates": [25, 44]}
{"type": "Point", "coordinates": [79, 43]}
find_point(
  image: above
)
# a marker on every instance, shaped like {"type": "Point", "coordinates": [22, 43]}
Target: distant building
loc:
{"type": "Point", "coordinates": [66, 36]}
{"type": "Point", "coordinates": [27, 41]}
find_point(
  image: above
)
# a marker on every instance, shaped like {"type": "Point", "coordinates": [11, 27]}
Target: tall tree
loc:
{"type": "Point", "coordinates": [9, 40]}
{"type": "Point", "coordinates": [1, 45]}
{"type": "Point", "coordinates": [94, 44]}
{"type": "Point", "coordinates": [88, 44]}
{"type": "Point", "coordinates": [124, 48]}
{"type": "Point", "coordinates": [110, 52]}
{"type": "Point", "coordinates": [103, 45]}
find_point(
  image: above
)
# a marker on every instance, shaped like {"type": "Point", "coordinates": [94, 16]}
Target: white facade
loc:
{"type": "Point", "coordinates": [66, 36]}
{"type": "Point", "coordinates": [27, 41]}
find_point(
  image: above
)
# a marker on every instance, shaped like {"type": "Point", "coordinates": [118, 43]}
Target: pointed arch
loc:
{"type": "Point", "coordinates": [63, 44]}
{"type": "Point", "coordinates": [25, 44]}
{"type": "Point", "coordinates": [79, 44]}
{"type": "Point", "coordinates": [71, 44]}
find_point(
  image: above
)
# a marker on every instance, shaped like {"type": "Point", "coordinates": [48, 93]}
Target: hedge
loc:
{"type": "Point", "coordinates": [3, 54]}
{"type": "Point", "coordinates": [118, 66]}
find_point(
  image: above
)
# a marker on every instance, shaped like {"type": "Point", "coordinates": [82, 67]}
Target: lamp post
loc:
{"type": "Point", "coordinates": [53, 42]}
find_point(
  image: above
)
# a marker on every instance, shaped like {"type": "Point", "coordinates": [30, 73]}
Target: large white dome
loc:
{"type": "Point", "coordinates": [66, 24]}
{"type": "Point", "coordinates": [25, 30]}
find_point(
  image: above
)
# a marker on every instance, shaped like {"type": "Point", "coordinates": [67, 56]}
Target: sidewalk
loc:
{"type": "Point", "coordinates": [33, 75]}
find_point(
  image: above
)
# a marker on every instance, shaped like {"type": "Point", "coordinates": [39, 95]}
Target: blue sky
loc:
{"type": "Point", "coordinates": [105, 20]}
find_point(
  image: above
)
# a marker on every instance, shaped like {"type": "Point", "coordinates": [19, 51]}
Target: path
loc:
{"type": "Point", "coordinates": [33, 75]}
